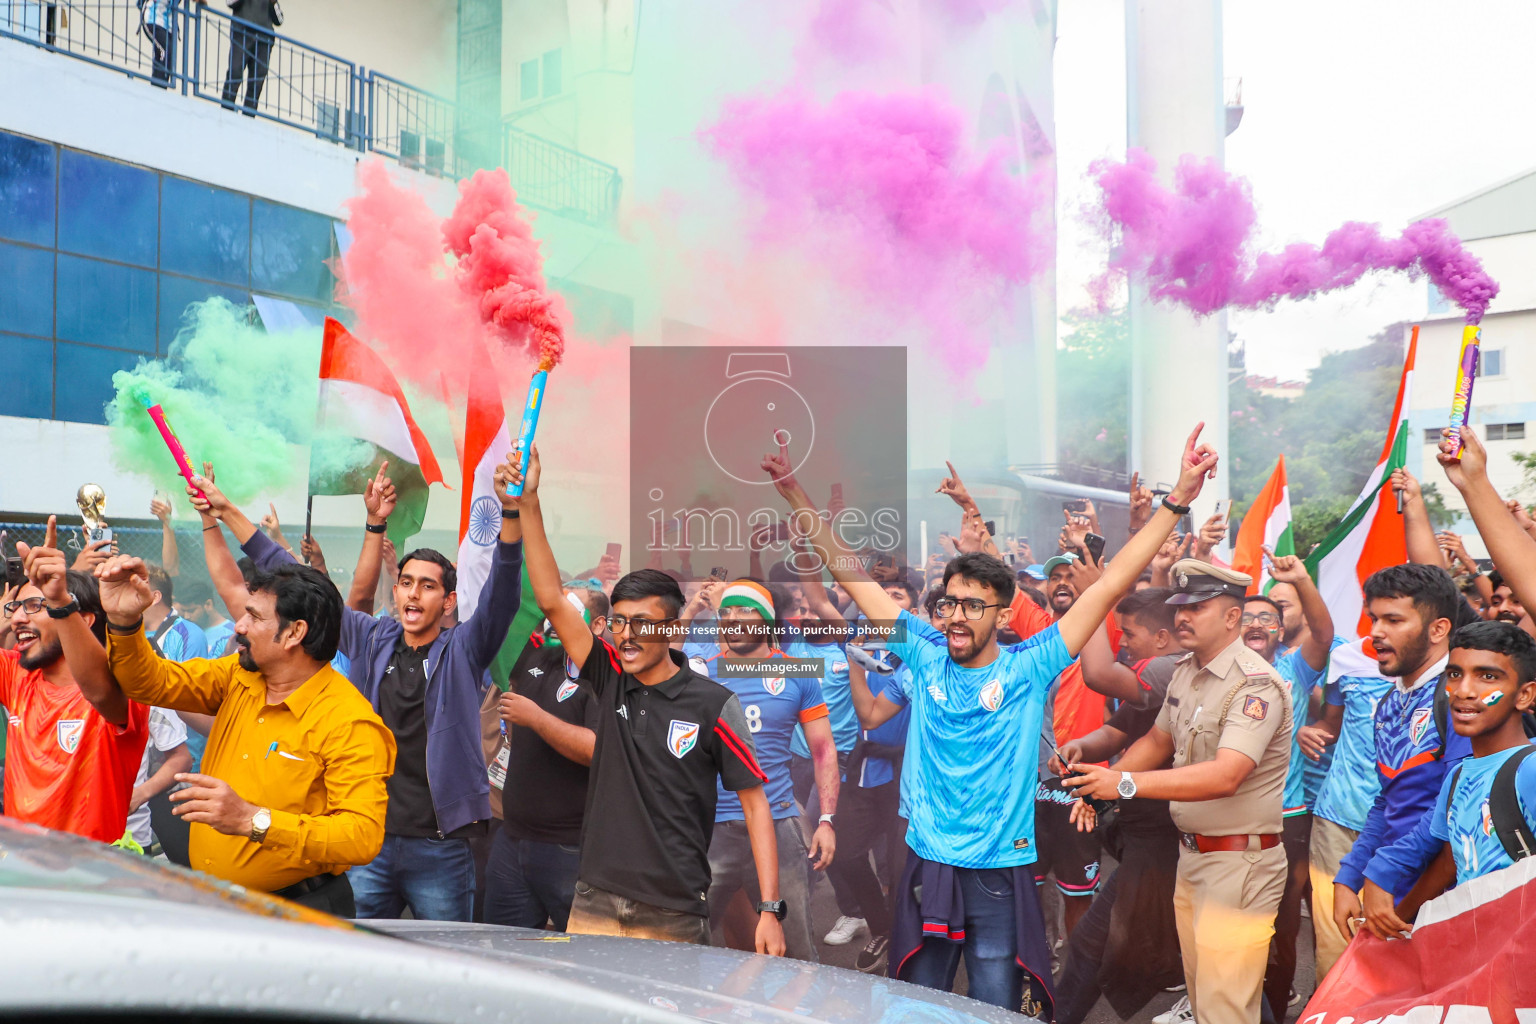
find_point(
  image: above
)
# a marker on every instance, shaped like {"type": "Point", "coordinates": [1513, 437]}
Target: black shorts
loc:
{"type": "Point", "coordinates": [1070, 855]}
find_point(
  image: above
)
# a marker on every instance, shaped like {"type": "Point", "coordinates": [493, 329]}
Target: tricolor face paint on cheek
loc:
{"type": "Point", "coordinates": [1490, 699]}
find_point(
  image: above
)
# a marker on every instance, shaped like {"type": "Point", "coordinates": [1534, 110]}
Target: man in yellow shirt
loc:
{"type": "Point", "coordinates": [292, 788]}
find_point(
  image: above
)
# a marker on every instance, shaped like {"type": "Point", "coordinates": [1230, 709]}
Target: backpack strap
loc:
{"type": "Point", "coordinates": [1455, 781]}
{"type": "Point", "coordinates": [1442, 707]}
{"type": "Point", "coordinates": [1504, 808]}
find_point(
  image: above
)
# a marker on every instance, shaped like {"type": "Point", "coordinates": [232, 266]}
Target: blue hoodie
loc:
{"type": "Point", "coordinates": [456, 669]}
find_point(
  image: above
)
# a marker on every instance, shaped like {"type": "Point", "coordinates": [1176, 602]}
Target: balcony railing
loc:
{"type": "Point", "coordinates": [211, 55]}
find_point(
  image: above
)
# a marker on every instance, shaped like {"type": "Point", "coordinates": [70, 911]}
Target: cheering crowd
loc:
{"type": "Point", "coordinates": [938, 743]}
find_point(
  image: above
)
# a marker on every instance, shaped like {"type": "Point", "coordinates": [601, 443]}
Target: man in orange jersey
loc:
{"type": "Point", "coordinates": [73, 747]}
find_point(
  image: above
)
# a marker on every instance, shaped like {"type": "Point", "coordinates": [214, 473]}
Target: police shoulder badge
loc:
{"type": "Point", "coordinates": [1256, 708]}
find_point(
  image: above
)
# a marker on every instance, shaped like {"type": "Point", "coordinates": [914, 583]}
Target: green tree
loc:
{"type": "Point", "coordinates": [1093, 391]}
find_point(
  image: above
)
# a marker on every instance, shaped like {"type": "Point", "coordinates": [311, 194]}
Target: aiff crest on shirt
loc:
{"type": "Point", "coordinates": [774, 686]}
{"type": "Point", "coordinates": [992, 695]}
{"type": "Point", "coordinates": [69, 731]}
{"type": "Point", "coordinates": [681, 737]}
{"type": "Point", "coordinates": [566, 690]}
{"type": "Point", "coordinates": [1419, 723]}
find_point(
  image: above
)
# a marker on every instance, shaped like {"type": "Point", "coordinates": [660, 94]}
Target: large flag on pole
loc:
{"type": "Point", "coordinates": [1267, 524]}
{"type": "Point", "coordinates": [1371, 536]}
{"type": "Point", "coordinates": [486, 443]}
{"type": "Point", "coordinates": [361, 404]}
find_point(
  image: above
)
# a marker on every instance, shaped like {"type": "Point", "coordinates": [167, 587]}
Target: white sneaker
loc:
{"type": "Point", "coordinates": [844, 930]}
{"type": "Point", "coordinates": [1178, 1013]}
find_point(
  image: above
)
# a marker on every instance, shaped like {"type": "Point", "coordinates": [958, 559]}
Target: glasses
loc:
{"type": "Point", "coordinates": [641, 627]}
{"type": "Point", "coordinates": [33, 606]}
{"type": "Point", "coordinates": [944, 607]}
{"type": "Point", "coordinates": [1262, 618]}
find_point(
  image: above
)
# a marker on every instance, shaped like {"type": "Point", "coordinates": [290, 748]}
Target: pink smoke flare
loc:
{"type": "Point", "coordinates": [883, 188]}
{"type": "Point", "coordinates": [500, 267]}
{"type": "Point", "coordinates": [1193, 244]}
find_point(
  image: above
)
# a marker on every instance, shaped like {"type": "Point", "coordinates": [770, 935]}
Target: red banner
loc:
{"type": "Point", "coordinates": [1468, 962]}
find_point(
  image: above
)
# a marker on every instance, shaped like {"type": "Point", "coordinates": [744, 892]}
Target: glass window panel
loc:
{"type": "Point", "coordinates": [205, 231]}
{"type": "Point", "coordinates": [26, 189]}
{"type": "Point", "coordinates": [552, 73]}
{"type": "Point", "coordinates": [84, 381]}
{"type": "Point", "coordinates": [108, 209]}
{"type": "Point", "coordinates": [289, 249]}
{"type": "Point", "coordinates": [26, 290]}
{"type": "Point", "coordinates": [26, 386]}
{"type": "Point", "coordinates": [106, 304]}
{"type": "Point", "coordinates": [528, 81]}
{"type": "Point", "coordinates": [177, 293]}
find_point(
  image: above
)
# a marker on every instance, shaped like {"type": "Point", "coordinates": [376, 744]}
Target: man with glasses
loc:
{"type": "Point", "coordinates": [74, 746]}
{"type": "Point", "coordinates": [977, 714]}
{"type": "Point", "coordinates": [665, 735]}
{"type": "Point", "coordinates": [1264, 629]}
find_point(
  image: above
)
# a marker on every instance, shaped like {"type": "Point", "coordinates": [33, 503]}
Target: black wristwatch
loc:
{"type": "Point", "coordinates": [64, 611]}
{"type": "Point", "coordinates": [1176, 509]}
{"type": "Point", "coordinates": [380, 528]}
{"type": "Point", "coordinates": [511, 513]}
{"type": "Point", "coordinates": [778, 908]}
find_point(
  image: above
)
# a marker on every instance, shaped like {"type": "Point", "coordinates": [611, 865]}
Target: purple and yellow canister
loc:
{"type": "Point", "coordinates": [1466, 374]}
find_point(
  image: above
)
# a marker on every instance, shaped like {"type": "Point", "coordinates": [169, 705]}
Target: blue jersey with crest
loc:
{"type": "Point", "coordinates": [972, 745]}
{"type": "Point", "coordinates": [1352, 783]}
{"type": "Point", "coordinates": [834, 690]}
{"type": "Point", "coordinates": [774, 707]}
{"type": "Point", "coordinates": [1301, 677]}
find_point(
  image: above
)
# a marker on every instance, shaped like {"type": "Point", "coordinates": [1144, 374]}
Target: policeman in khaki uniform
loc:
{"type": "Point", "coordinates": [1225, 727]}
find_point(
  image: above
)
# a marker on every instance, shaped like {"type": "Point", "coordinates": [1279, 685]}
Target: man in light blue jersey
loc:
{"type": "Point", "coordinates": [1347, 729]}
{"type": "Point", "coordinates": [1487, 804]}
{"type": "Point", "coordinates": [977, 710]}
{"type": "Point", "coordinates": [1302, 668]}
{"type": "Point", "coordinates": [774, 704]}
{"type": "Point", "coordinates": [200, 606]}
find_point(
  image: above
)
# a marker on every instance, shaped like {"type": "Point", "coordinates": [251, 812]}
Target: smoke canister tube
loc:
{"type": "Point", "coordinates": [1466, 373]}
{"type": "Point", "coordinates": [530, 425]}
{"type": "Point", "coordinates": [183, 464]}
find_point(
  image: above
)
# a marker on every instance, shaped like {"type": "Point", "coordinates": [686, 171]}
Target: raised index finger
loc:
{"type": "Point", "coordinates": [51, 535]}
{"type": "Point", "coordinates": [951, 466]}
{"type": "Point", "coordinates": [1194, 436]}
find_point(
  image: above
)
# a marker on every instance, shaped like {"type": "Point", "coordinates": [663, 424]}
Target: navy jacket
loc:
{"type": "Point", "coordinates": [456, 667]}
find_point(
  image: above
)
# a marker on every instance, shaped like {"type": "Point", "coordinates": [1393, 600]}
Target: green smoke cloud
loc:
{"type": "Point", "coordinates": [237, 395]}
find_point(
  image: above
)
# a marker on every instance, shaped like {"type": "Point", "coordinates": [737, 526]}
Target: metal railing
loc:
{"type": "Point", "coordinates": [215, 56]}
{"type": "Point", "coordinates": [412, 125]}
{"type": "Point", "coordinates": [551, 177]}
{"type": "Point", "coordinates": [245, 67]}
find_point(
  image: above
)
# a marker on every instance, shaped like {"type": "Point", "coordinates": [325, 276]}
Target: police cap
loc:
{"type": "Point", "coordinates": [1195, 581]}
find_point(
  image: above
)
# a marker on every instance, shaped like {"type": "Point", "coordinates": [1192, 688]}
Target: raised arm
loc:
{"type": "Point", "coordinates": [543, 573]}
{"type": "Point", "coordinates": [1314, 610]}
{"type": "Point", "coordinates": [1417, 529]}
{"type": "Point", "coordinates": [1103, 674]}
{"type": "Point", "coordinates": [1510, 547]}
{"type": "Point", "coordinates": [379, 501]}
{"type": "Point", "coordinates": [170, 558]}
{"type": "Point", "coordinates": [502, 594]}
{"type": "Point", "coordinates": [844, 565]}
{"type": "Point", "coordinates": [873, 710]}
{"type": "Point", "coordinates": [1196, 465]}
{"type": "Point", "coordinates": [87, 659]}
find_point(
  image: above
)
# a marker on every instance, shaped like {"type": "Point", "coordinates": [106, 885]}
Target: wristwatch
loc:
{"type": "Point", "coordinates": [826, 819]}
{"type": "Point", "coordinates": [778, 908]}
{"type": "Point", "coordinates": [260, 822]}
{"type": "Point", "coordinates": [1127, 787]}
{"type": "Point", "coordinates": [64, 611]}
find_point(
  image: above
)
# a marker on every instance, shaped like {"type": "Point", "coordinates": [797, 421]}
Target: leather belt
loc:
{"type": "Point", "coordinates": [1228, 844]}
{"type": "Point", "coordinates": [305, 886]}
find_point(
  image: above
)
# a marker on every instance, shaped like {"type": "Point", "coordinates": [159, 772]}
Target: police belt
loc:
{"type": "Point", "coordinates": [306, 886]}
{"type": "Point", "coordinates": [1228, 844]}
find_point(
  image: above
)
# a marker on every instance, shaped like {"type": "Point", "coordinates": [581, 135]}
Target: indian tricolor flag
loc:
{"type": "Point", "coordinates": [364, 419]}
{"type": "Point", "coordinates": [1371, 536]}
{"type": "Point", "coordinates": [486, 444]}
{"type": "Point", "coordinates": [1267, 524]}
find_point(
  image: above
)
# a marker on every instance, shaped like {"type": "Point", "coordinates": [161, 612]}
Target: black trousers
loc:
{"type": "Point", "coordinates": [249, 51]}
{"type": "Point", "coordinates": [163, 53]}
{"type": "Point", "coordinates": [333, 897]}
{"type": "Point", "coordinates": [1281, 972]}
{"type": "Point", "coordinates": [867, 822]}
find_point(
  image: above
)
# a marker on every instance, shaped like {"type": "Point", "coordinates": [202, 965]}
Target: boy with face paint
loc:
{"type": "Point", "coordinates": [1490, 680]}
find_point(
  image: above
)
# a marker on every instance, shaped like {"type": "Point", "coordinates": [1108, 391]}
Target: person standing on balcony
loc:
{"type": "Point", "coordinates": [250, 48]}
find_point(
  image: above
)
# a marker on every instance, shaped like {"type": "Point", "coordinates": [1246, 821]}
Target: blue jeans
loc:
{"type": "Point", "coordinates": [991, 941]}
{"type": "Point", "coordinates": [434, 877]}
{"type": "Point", "coordinates": [529, 882]}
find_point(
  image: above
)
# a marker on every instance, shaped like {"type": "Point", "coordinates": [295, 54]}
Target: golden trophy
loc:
{"type": "Point", "coordinates": [92, 501]}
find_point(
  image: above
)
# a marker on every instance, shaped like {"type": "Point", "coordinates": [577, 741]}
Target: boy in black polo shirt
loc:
{"type": "Point", "coordinates": [664, 735]}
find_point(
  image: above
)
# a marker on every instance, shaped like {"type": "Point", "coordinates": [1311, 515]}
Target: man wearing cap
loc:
{"type": "Point", "coordinates": [1225, 725]}
{"type": "Point", "coordinates": [773, 705]}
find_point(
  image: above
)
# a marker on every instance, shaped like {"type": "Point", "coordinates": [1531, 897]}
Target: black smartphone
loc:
{"type": "Point", "coordinates": [991, 525]}
{"type": "Point", "coordinates": [717, 573]}
{"type": "Point", "coordinates": [15, 576]}
{"type": "Point", "coordinates": [1095, 545]}
{"type": "Point", "coordinates": [1075, 505]}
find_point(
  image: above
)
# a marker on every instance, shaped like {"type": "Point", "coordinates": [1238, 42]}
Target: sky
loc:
{"type": "Point", "coordinates": [1373, 110]}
